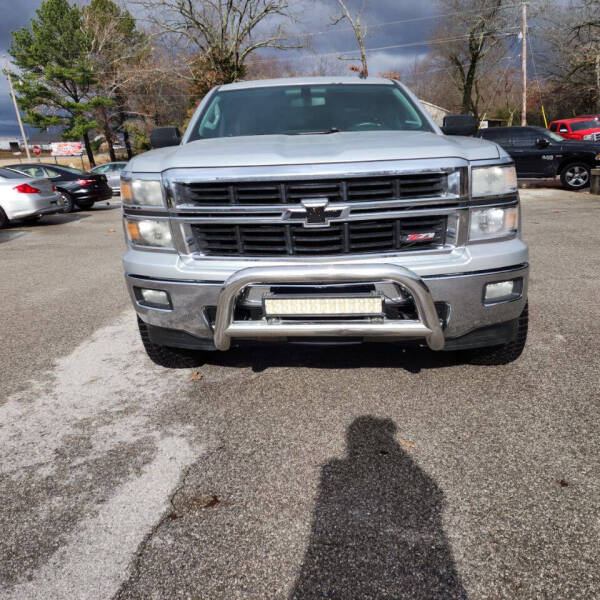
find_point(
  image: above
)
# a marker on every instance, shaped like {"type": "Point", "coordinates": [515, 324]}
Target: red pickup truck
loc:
{"type": "Point", "coordinates": [577, 128]}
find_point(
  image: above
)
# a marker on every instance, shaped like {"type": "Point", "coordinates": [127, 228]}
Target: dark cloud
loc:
{"type": "Point", "coordinates": [313, 16]}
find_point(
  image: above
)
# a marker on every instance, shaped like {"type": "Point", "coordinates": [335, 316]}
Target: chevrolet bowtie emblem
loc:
{"type": "Point", "coordinates": [315, 212]}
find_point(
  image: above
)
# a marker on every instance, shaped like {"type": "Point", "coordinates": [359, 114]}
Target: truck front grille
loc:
{"type": "Point", "coordinates": [353, 237]}
{"type": "Point", "coordinates": [364, 189]}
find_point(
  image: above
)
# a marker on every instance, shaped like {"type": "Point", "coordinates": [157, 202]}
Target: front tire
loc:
{"type": "Point", "coordinates": [507, 353]}
{"type": "Point", "coordinates": [165, 356]}
{"type": "Point", "coordinates": [575, 176]}
{"type": "Point", "coordinates": [3, 219]}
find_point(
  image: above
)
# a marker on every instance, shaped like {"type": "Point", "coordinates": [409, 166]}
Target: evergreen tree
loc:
{"type": "Point", "coordinates": [56, 81]}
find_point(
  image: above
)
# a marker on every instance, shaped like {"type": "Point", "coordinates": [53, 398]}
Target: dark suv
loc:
{"type": "Point", "coordinates": [539, 153]}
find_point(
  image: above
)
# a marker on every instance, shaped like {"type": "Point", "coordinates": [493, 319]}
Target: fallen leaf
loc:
{"type": "Point", "coordinates": [195, 376]}
{"type": "Point", "coordinates": [562, 483]}
{"type": "Point", "coordinates": [407, 444]}
{"type": "Point", "coordinates": [111, 230]}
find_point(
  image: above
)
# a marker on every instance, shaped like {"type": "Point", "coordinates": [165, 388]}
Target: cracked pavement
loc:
{"type": "Point", "coordinates": [295, 473]}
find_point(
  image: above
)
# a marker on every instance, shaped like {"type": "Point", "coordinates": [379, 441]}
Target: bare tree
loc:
{"type": "Point", "coordinates": [118, 50]}
{"type": "Point", "coordinates": [472, 29]}
{"type": "Point", "coordinates": [572, 60]}
{"type": "Point", "coordinates": [360, 32]}
{"type": "Point", "coordinates": [218, 36]}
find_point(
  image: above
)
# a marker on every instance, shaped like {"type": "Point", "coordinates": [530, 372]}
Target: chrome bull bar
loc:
{"type": "Point", "coordinates": [427, 326]}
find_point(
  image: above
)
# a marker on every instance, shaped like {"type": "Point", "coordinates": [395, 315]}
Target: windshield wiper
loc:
{"type": "Point", "coordinates": [331, 130]}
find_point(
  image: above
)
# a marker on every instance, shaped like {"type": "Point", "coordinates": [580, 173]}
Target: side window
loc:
{"type": "Point", "coordinates": [562, 128]}
{"type": "Point", "coordinates": [554, 127]}
{"type": "Point", "coordinates": [102, 169]}
{"type": "Point", "coordinates": [34, 171]}
{"type": "Point", "coordinates": [51, 172]}
{"type": "Point", "coordinates": [525, 137]}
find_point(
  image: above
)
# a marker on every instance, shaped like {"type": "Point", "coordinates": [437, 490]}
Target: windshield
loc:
{"type": "Point", "coordinates": [579, 125]}
{"type": "Point", "coordinates": [308, 109]}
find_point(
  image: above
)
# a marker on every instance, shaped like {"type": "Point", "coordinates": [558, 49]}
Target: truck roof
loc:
{"type": "Point", "coordinates": [239, 85]}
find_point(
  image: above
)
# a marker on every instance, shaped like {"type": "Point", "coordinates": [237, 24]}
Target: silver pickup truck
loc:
{"type": "Point", "coordinates": [323, 210]}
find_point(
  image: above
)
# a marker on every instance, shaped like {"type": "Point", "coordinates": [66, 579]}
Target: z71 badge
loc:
{"type": "Point", "coordinates": [547, 156]}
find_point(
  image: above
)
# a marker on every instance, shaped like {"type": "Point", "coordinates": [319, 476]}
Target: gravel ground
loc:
{"type": "Point", "coordinates": [341, 473]}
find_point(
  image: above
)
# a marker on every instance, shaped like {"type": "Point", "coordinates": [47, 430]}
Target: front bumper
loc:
{"type": "Point", "coordinates": [193, 302]}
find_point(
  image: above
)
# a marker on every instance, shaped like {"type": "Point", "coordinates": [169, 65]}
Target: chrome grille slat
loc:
{"type": "Point", "coordinates": [402, 186]}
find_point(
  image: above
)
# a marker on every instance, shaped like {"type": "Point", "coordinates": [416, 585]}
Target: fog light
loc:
{"type": "Point", "coordinates": [155, 297]}
{"type": "Point", "coordinates": [502, 291]}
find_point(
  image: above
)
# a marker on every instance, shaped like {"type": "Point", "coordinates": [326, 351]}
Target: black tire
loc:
{"type": "Point", "coordinates": [85, 204]}
{"type": "Point", "coordinates": [575, 176]}
{"type": "Point", "coordinates": [507, 353]}
{"type": "Point", "coordinates": [171, 358]}
{"type": "Point", "coordinates": [3, 219]}
{"type": "Point", "coordinates": [69, 203]}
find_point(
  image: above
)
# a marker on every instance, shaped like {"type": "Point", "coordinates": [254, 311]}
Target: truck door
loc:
{"type": "Point", "coordinates": [532, 153]}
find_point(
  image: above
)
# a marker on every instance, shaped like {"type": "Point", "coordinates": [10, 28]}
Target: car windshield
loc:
{"type": "Point", "coordinates": [579, 125]}
{"type": "Point", "coordinates": [308, 109]}
{"type": "Point", "coordinates": [10, 174]}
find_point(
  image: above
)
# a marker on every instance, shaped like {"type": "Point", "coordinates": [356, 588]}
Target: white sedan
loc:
{"type": "Point", "coordinates": [26, 198]}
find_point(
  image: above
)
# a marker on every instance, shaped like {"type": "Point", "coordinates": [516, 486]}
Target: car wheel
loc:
{"type": "Point", "coordinates": [575, 176]}
{"type": "Point", "coordinates": [171, 358]}
{"type": "Point", "coordinates": [3, 219]}
{"type": "Point", "coordinates": [69, 204]}
{"type": "Point", "coordinates": [85, 204]}
{"type": "Point", "coordinates": [507, 353]}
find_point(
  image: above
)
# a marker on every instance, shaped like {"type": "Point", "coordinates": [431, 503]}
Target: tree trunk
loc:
{"type": "Point", "coordinates": [109, 142]}
{"type": "Point", "coordinates": [127, 143]}
{"type": "Point", "coordinates": [88, 149]}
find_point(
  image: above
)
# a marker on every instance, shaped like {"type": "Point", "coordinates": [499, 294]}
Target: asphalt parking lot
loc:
{"type": "Point", "coordinates": [339, 473]}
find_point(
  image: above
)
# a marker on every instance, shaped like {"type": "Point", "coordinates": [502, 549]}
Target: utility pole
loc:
{"type": "Point", "coordinates": [524, 62]}
{"type": "Point", "coordinates": [12, 95]}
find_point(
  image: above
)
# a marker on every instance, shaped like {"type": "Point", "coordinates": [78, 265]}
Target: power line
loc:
{"type": "Point", "coordinates": [402, 21]}
{"type": "Point", "coordinates": [458, 38]}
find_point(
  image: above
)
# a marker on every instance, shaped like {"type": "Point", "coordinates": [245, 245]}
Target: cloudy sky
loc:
{"type": "Point", "coordinates": [313, 16]}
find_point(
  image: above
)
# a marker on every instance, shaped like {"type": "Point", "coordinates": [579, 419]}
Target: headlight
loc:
{"type": "Point", "coordinates": [149, 232]}
{"type": "Point", "coordinates": [493, 181]}
{"type": "Point", "coordinates": [589, 136]}
{"type": "Point", "coordinates": [493, 222]}
{"type": "Point", "coordinates": [142, 192]}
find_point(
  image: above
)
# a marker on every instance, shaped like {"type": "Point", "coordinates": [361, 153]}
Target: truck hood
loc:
{"type": "Point", "coordinates": [268, 150]}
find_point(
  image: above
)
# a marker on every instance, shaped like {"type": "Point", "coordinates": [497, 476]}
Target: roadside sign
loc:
{"type": "Point", "coordinates": [67, 149]}
{"type": "Point", "coordinates": [37, 150]}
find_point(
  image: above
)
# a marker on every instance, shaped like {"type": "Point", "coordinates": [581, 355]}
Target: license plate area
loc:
{"type": "Point", "coordinates": [326, 305]}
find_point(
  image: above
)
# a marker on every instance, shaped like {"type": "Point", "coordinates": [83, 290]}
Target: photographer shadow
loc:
{"type": "Point", "coordinates": [377, 526]}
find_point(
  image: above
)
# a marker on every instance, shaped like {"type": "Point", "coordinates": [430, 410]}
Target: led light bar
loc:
{"type": "Point", "coordinates": [323, 306]}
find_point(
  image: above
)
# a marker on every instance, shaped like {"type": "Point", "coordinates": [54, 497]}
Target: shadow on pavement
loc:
{"type": "Point", "coordinates": [352, 356]}
{"type": "Point", "coordinates": [377, 526]}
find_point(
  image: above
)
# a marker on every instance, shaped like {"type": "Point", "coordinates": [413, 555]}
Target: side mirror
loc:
{"type": "Point", "coordinates": [459, 125]}
{"type": "Point", "coordinates": [161, 137]}
{"type": "Point", "coordinates": [542, 143]}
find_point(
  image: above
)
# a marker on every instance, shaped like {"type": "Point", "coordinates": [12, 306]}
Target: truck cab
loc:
{"type": "Point", "coordinates": [323, 210]}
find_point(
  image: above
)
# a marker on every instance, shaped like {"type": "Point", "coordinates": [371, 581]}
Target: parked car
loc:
{"type": "Point", "coordinates": [25, 198]}
{"type": "Point", "coordinates": [324, 210]}
{"type": "Point", "coordinates": [112, 170]}
{"type": "Point", "coordinates": [77, 187]}
{"type": "Point", "coordinates": [539, 153]}
{"type": "Point", "coordinates": [577, 128]}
